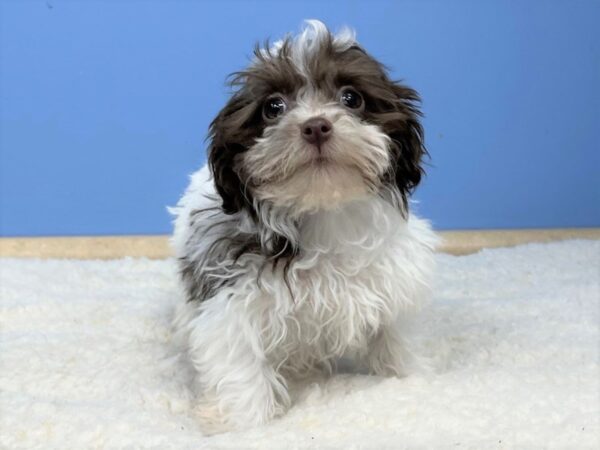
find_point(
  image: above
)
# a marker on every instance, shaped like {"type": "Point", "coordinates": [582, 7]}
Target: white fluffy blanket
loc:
{"type": "Point", "coordinates": [514, 334]}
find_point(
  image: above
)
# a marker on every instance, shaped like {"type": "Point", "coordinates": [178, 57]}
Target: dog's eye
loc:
{"type": "Point", "coordinates": [350, 98]}
{"type": "Point", "coordinates": [274, 107]}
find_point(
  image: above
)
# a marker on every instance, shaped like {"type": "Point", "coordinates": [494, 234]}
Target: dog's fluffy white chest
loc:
{"type": "Point", "coordinates": [360, 266]}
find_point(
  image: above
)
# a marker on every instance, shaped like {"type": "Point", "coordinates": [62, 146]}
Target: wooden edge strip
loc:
{"type": "Point", "coordinates": [472, 241]}
{"type": "Point", "coordinates": [157, 247]}
{"type": "Point", "coordinates": [86, 247]}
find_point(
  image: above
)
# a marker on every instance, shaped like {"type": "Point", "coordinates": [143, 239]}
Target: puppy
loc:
{"type": "Point", "coordinates": [295, 243]}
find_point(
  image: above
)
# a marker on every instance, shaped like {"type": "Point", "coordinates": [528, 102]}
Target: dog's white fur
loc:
{"type": "Point", "coordinates": [363, 267]}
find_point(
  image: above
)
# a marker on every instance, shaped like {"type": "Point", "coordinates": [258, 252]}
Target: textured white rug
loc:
{"type": "Point", "coordinates": [514, 334]}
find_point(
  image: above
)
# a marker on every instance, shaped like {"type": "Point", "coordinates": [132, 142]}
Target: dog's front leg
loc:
{"type": "Point", "coordinates": [388, 354]}
{"type": "Point", "coordinates": [238, 387]}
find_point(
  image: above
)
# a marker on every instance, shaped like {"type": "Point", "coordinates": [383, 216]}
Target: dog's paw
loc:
{"type": "Point", "coordinates": [210, 419]}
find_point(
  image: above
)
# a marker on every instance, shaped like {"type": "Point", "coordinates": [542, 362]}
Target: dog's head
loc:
{"type": "Point", "coordinates": [314, 122]}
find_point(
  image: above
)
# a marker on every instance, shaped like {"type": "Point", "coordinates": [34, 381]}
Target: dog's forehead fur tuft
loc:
{"type": "Point", "coordinates": [315, 58]}
{"type": "Point", "coordinates": [314, 41]}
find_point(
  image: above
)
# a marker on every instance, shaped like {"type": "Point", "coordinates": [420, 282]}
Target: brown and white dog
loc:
{"type": "Point", "coordinates": [296, 245]}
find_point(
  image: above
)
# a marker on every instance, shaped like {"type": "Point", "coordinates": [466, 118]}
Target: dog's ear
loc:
{"type": "Point", "coordinates": [231, 134]}
{"type": "Point", "coordinates": [221, 159]}
{"type": "Point", "coordinates": [408, 148]}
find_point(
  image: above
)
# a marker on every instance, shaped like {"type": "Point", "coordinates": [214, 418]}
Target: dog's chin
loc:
{"type": "Point", "coordinates": [320, 184]}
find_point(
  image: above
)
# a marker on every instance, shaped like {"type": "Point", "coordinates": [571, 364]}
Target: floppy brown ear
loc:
{"type": "Point", "coordinates": [231, 134]}
{"type": "Point", "coordinates": [408, 147]}
{"type": "Point", "coordinates": [227, 181]}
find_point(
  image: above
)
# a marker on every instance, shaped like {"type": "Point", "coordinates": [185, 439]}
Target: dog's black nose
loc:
{"type": "Point", "coordinates": [317, 130]}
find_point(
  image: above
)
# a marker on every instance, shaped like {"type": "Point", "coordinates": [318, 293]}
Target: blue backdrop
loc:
{"type": "Point", "coordinates": [104, 105]}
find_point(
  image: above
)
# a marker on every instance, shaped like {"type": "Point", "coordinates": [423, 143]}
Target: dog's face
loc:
{"type": "Point", "coordinates": [315, 122]}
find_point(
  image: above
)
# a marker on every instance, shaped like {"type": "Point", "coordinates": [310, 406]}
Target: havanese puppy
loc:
{"type": "Point", "coordinates": [295, 243]}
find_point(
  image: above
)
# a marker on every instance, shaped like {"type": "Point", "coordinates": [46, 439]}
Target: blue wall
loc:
{"type": "Point", "coordinates": [104, 105]}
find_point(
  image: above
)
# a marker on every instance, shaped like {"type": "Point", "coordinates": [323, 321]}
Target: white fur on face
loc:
{"type": "Point", "coordinates": [289, 172]}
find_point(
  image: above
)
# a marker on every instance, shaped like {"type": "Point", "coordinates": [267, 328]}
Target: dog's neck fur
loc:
{"type": "Point", "coordinates": [364, 223]}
